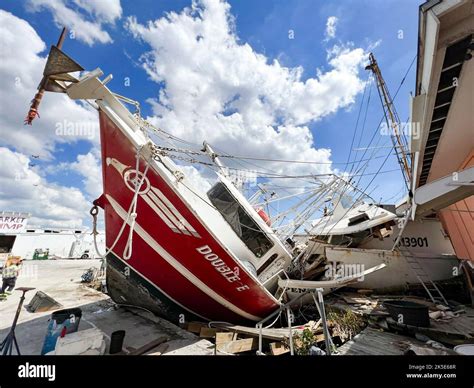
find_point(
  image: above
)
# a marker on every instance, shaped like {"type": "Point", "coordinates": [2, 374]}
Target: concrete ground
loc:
{"type": "Point", "coordinates": [61, 280]}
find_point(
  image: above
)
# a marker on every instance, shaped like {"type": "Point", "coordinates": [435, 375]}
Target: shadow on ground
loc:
{"type": "Point", "coordinates": [141, 327]}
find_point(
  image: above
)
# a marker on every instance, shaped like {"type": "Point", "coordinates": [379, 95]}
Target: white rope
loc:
{"type": "Point", "coordinates": [95, 233]}
{"type": "Point", "coordinates": [127, 252]}
{"type": "Point", "coordinates": [131, 210]}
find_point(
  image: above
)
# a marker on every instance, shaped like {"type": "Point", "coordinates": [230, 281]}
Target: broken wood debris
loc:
{"type": "Point", "coordinates": [159, 350]}
{"type": "Point", "coordinates": [357, 299]}
{"type": "Point", "coordinates": [239, 346]}
{"type": "Point", "coordinates": [377, 342]}
{"type": "Point", "coordinates": [278, 348]}
{"type": "Point", "coordinates": [195, 327]}
{"type": "Point", "coordinates": [207, 332]}
{"type": "Point", "coordinates": [222, 338]}
{"type": "Point", "coordinates": [274, 334]}
{"type": "Point", "coordinates": [149, 346]}
{"type": "Point", "coordinates": [358, 323]}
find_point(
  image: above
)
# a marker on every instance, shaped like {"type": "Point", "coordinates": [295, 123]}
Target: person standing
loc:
{"type": "Point", "coordinates": [9, 277]}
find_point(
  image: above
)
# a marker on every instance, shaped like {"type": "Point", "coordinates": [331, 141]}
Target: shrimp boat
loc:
{"type": "Point", "coordinates": [367, 234]}
{"type": "Point", "coordinates": [171, 249]}
{"type": "Point", "coordinates": [432, 228]}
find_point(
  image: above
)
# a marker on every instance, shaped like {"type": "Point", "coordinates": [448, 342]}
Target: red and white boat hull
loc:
{"type": "Point", "coordinates": [177, 265]}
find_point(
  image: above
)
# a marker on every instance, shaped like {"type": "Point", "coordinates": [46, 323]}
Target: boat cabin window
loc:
{"type": "Point", "coordinates": [240, 221]}
{"type": "Point", "coordinates": [358, 219]}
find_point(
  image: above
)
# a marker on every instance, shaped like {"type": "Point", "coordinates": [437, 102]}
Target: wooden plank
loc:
{"type": "Point", "coordinates": [277, 349]}
{"type": "Point", "coordinates": [356, 300]}
{"type": "Point", "coordinates": [318, 337]}
{"type": "Point", "coordinates": [149, 346]}
{"type": "Point", "coordinates": [271, 334]}
{"type": "Point", "coordinates": [315, 268]}
{"type": "Point", "coordinates": [195, 327]}
{"type": "Point", "coordinates": [158, 351]}
{"type": "Point", "coordinates": [207, 332]}
{"type": "Point", "coordinates": [222, 338]}
{"type": "Point", "coordinates": [240, 346]}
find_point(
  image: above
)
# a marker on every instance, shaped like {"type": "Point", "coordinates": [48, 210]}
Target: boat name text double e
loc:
{"type": "Point", "coordinates": [221, 267]}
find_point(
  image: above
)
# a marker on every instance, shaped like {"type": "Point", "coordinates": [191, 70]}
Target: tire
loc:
{"type": "Point", "coordinates": [85, 256]}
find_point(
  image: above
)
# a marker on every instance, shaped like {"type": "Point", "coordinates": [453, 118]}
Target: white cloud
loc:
{"type": "Point", "coordinates": [217, 89]}
{"type": "Point", "coordinates": [197, 178]}
{"type": "Point", "coordinates": [98, 12]}
{"type": "Point", "coordinates": [220, 90]}
{"type": "Point", "coordinates": [106, 10]}
{"type": "Point", "coordinates": [89, 167]}
{"type": "Point", "coordinates": [21, 71]}
{"type": "Point", "coordinates": [331, 27]}
{"type": "Point", "coordinates": [23, 189]}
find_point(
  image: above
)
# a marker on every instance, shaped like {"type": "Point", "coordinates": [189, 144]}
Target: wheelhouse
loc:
{"type": "Point", "coordinates": [266, 252]}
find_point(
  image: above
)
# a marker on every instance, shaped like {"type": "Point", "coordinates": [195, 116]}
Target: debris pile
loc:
{"type": "Point", "coordinates": [309, 342]}
{"type": "Point", "coordinates": [95, 278]}
{"type": "Point", "coordinates": [448, 325]}
{"type": "Point", "coordinates": [358, 323]}
{"type": "Point", "coordinates": [344, 324]}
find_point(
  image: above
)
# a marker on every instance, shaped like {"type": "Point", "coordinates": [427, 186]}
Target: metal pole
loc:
{"type": "Point", "coordinates": [259, 325]}
{"type": "Point", "coordinates": [59, 45]}
{"type": "Point", "coordinates": [288, 314]}
{"type": "Point", "coordinates": [325, 324]}
{"type": "Point", "coordinates": [322, 312]}
{"type": "Point", "coordinates": [208, 149]}
{"type": "Point", "coordinates": [18, 311]}
{"type": "Point", "coordinates": [260, 339]}
{"type": "Point", "coordinates": [392, 119]}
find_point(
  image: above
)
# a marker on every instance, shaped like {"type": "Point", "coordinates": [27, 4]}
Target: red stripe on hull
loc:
{"type": "Point", "coordinates": [252, 298]}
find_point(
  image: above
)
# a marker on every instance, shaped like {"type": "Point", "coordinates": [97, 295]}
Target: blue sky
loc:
{"type": "Point", "coordinates": [265, 26]}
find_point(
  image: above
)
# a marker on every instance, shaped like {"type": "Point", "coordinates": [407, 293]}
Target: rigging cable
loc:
{"type": "Point", "coordinates": [364, 122]}
{"type": "Point", "coordinates": [357, 122]}
{"type": "Point", "coordinates": [365, 151]}
{"type": "Point", "coordinates": [393, 101]}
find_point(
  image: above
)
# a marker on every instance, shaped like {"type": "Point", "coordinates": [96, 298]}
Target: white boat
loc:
{"type": "Point", "coordinates": [370, 242]}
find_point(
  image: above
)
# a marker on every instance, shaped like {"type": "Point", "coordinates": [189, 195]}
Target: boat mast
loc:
{"type": "Point", "coordinates": [313, 202]}
{"type": "Point", "coordinates": [208, 150]}
{"type": "Point", "coordinates": [392, 119]}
